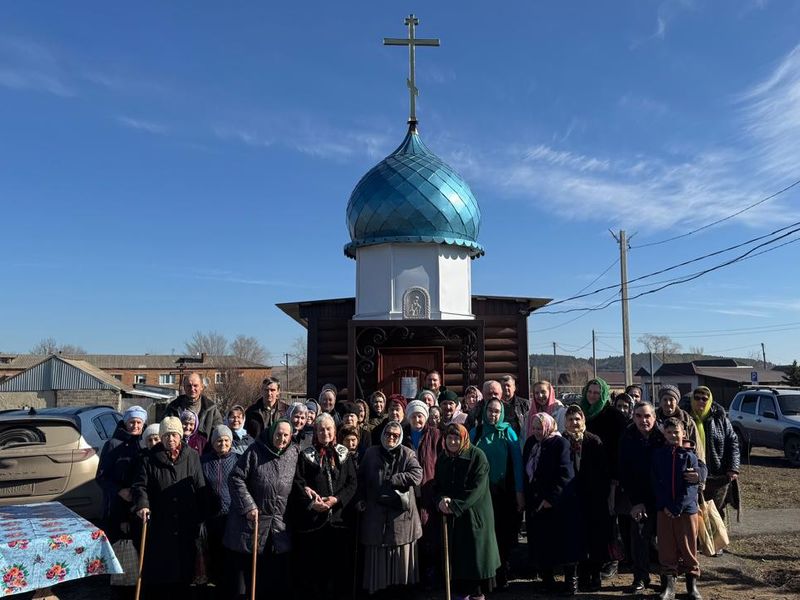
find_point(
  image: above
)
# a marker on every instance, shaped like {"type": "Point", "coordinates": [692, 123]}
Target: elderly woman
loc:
{"type": "Point", "coordinates": [313, 411]}
{"type": "Point", "coordinates": [327, 404]}
{"type": "Point", "coordinates": [544, 400]}
{"type": "Point", "coordinates": [435, 417]}
{"type": "Point", "coordinates": [377, 409]}
{"type": "Point", "coordinates": [116, 470]}
{"type": "Point", "coordinates": [150, 437]}
{"type": "Point", "coordinates": [217, 466]}
{"type": "Point", "coordinates": [297, 415]}
{"type": "Point", "coordinates": [472, 397]}
{"type": "Point", "coordinates": [499, 443]}
{"type": "Point", "coordinates": [593, 484]}
{"type": "Point", "coordinates": [462, 489]}
{"type": "Point", "coordinates": [451, 408]}
{"type": "Point", "coordinates": [191, 435]}
{"type": "Point", "coordinates": [260, 485]}
{"type": "Point", "coordinates": [669, 397]}
{"type": "Point", "coordinates": [324, 484]}
{"type": "Point", "coordinates": [425, 440]}
{"type": "Point", "coordinates": [390, 525]}
{"type": "Point", "coordinates": [624, 404]}
{"type": "Point", "coordinates": [169, 490]}
{"type": "Point", "coordinates": [349, 416]}
{"type": "Point", "coordinates": [428, 397]}
{"type": "Point", "coordinates": [717, 446]}
{"type": "Point", "coordinates": [395, 411]}
{"type": "Point", "coordinates": [551, 504]}
{"type": "Point", "coordinates": [241, 440]}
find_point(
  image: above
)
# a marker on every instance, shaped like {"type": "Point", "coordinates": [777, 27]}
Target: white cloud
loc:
{"type": "Point", "coordinates": [25, 65]}
{"type": "Point", "coordinates": [142, 125]}
{"type": "Point", "coordinates": [248, 137]}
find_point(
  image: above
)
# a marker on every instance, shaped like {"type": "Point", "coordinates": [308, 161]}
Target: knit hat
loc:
{"type": "Point", "coordinates": [448, 396]}
{"type": "Point", "coordinates": [669, 390]}
{"type": "Point", "coordinates": [221, 431]}
{"type": "Point", "coordinates": [150, 430]}
{"type": "Point", "coordinates": [398, 399]}
{"type": "Point", "coordinates": [170, 425]}
{"type": "Point", "coordinates": [417, 406]}
{"type": "Point", "coordinates": [135, 412]}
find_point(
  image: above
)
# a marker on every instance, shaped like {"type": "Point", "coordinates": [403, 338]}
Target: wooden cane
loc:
{"type": "Point", "coordinates": [355, 558]}
{"type": "Point", "coordinates": [141, 556]}
{"type": "Point", "coordinates": [255, 558]}
{"type": "Point", "coordinates": [446, 558]}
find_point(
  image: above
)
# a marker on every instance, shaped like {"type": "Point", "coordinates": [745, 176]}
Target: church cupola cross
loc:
{"type": "Point", "coordinates": [412, 42]}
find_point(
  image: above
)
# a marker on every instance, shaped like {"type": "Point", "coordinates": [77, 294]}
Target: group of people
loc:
{"type": "Point", "coordinates": [352, 497]}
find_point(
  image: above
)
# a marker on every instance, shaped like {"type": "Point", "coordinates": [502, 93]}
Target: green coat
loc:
{"type": "Point", "coordinates": [473, 546]}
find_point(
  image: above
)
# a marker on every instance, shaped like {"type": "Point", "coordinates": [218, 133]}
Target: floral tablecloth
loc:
{"type": "Point", "coordinates": [44, 544]}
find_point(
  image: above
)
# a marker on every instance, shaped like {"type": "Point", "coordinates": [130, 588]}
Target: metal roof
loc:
{"type": "Point", "coordinates": [412, 196]}
{"type": "Point", "coordinates": [59, 373]}
{"type": "Point", "coordinates": [166, 362]}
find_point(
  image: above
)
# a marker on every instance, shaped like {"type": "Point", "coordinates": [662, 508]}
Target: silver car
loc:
{"type": "Point", "coordinates": [769, 417]}
{"type": "Point", "coordinates": [51, 454]}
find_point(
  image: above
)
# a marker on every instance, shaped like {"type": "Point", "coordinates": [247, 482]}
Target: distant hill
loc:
{"type": "Point", "coordinates": [617, 363]}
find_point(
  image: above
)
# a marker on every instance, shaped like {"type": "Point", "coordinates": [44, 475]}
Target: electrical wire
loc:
{"type": "Point", "coordinates": [718, 221]}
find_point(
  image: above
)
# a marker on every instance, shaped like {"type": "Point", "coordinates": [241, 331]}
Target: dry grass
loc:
{"type": "Point", "coordinates": [767, 481]}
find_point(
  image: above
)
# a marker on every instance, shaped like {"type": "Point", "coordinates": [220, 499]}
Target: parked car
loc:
{"type": "Point", "coordinates": [769, 417]}
{"type": "Point", "coordinates": [49, 454]}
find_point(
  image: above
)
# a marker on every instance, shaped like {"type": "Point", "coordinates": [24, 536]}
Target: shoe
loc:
{"type": "Point", "coordinates": [692, 593]}
{"type": "Point", "coordinates": [609, 569]}
{"type": "Point", "coordinates": [595, 582]}
{"type": "Point", "coordinates": [667, 587]}
{"type": "Point", "coordinates": [637, 587]}
{"type": "Point", "coordinates": [719, 552]}
{"type": "Point", "coordinates": [570, 581]}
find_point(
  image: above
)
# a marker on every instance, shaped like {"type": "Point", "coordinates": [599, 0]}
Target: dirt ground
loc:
{"type": "Point", "coordinates": [755, 567]}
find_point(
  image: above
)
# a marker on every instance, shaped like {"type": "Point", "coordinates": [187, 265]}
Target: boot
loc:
{"type": "Point", "coordinates": [691, 587]}
{"type": "Point", "coordinates": [595, 582]}
{"type": "Point", "coordinates": [548, 581]}
{"type": "Point", "coordinates": [667, 587]}
{"type": "Point", "coordinates": [570, 581]}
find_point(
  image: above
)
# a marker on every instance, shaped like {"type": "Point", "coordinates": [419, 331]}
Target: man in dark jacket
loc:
{"type": "Point", "coordinates": [193, 399]}
{"type": "Point", "coordinates": [266, 410]}
{"type": "Point", "coordinates": [516, 408]}
{"type": "Point", "coordinates": [636, 449]}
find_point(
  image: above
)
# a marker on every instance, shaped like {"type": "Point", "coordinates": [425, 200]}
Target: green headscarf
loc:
{"type": "Point", "coordinates": [269, 435]}
{"type": "Point", "coordinates": [494, 443]}
{"type": "Point", "coordinates": [592, 410]}
{"type": "Point", "coordinates": [699, 418]}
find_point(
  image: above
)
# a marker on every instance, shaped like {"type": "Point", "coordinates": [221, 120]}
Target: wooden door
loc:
{"type": "Point", "coordinates": [394, 364]}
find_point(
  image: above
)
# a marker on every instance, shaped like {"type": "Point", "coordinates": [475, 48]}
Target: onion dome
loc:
{"type": "Point", "coordinates": [412, 196]}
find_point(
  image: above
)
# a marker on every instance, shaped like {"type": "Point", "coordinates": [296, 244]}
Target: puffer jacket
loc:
{"type": "Point", "coordinates": [261, 479]}
{"type": "Point", "coordinates": [722, 444]}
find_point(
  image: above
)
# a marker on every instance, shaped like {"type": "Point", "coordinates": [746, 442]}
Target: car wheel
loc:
{"type": "Point", "coordinates": [791, 449]}
{"type": "Point", "coordinates": [744, 444]}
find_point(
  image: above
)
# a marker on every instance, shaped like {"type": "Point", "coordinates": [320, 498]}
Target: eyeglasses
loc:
{"type": "Point", "coordinates": [393, 436]}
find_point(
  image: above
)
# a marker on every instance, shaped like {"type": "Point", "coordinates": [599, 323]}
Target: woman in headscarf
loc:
{"type": "Point", "coordinates": [472, 397]}
{"type": "Point", "coordinates": [462, 489]}
{"type": "Point", "coordinates": [313, 411]}
{"type": "Point", "coordinates": [551, 503]}
{"type": "Point", "coordinates": [390, 525]}
{"type": "Point", "coordinates": [169, 487]}
{"type": "Point", "coordinates": [425, 440]}
{"type": "Point", "coordinates": [591, 475]}
{"type": "Point", "coordinates": [349, 414]}
{"type": "Point", "coordinates": [324, 484]}
{"type": "Point", "coordinates": [191, 435]}
{"type": "Point", "coordinates": [502, 449]}
{"type": "Point", "coordinates": [428, 397]}
{"type": "Point", "coordinates": [363, 413]}
{"type": "Point", "coordinates": [116, 470]}
{"type": "Point", "coordinates": [717, 446]}
{"type": "Point", "coordinates": [544, 400]}
{"type": "Point", "coordinates": [241, 440]}
{"type": "Point", "coordinates": [395, 411]}
{"type": "Point", "coordinates": [327, 403]}
{"type": "Point", "coordinates": [377, 409]}
{"type": "Point", "coordinates": [150, 437]}
{"type": "Point", "coordinates": [303, 428]}
{"type": "Point", "coordinates": [217, 466]}
{"type": "Point", "coordinates": [260, 485]}
{"type": "Point", "coordinates": [435, 417]}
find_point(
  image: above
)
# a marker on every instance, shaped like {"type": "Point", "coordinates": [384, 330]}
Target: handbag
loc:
{"type": "Point", "coordinates": [129, 560]}
{"type": "Point", "coordinates": [705, 536]}
{"type": "Point", "coordinates": [719, 532]}
{"type": "Point", "coordinates": [616, 547]}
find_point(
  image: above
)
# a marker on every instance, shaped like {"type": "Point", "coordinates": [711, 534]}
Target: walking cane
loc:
{"type": "Point", "coordinates": [355, 558]}
{"type": "Point", "coordinates": [255, 558]}
{"type": "Point", "coordinates": [141, 556]}
{"type": "Point", "coordinates": [446, 558]}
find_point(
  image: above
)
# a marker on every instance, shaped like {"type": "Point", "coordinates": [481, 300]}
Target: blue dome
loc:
{"type": "Point", "coordinates": [412, 196]}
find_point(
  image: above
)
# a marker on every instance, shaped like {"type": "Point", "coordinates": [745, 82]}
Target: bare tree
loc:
{"type": "Point", "coordinates": [298, 369]}
{"type": "Point", "coordinates": [659, 344]}
{"type": "Point", "coordinates": [235, 389]}
{"type": "Point", "coordinates": [249, 348]}
{"type": "Point", "coordinates": [50, 346]}
{"type": "Point", "coordinates": [212, 343]}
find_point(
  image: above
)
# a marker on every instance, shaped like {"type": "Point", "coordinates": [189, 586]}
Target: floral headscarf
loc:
{"type": "Point", "coordinates": [549, 429]}
{"type": "Point", "coordinates": [463, 435]}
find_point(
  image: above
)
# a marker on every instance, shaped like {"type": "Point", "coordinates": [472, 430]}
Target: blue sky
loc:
{"type": "Point", "coordinates": [169, 167]}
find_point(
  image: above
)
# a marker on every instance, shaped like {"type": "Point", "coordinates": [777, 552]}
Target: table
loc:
{"type": "Point", "coordinates": [45, 544]}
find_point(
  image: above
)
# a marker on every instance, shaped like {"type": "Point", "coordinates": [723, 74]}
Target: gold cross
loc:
{"type": "Point", "coordinates": [412, 42]}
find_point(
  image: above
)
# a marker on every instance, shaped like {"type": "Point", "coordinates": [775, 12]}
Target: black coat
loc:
{"type": "Point", "coordinates": [636, 465]}
{"type": "Point", "coordinates": [175, 495]}
{"type": "Point", "coordinates": [258, 417]}
{"type": "Point", "coordinates": [208, 417]}
{"type": "Point", "coordinates": [608, 426]}
{"type": "Point", "coordinates": [342, 484]}
{"type": "Point", "coordinates": [261, 479]}
{"type": "Point", "coordinates": [552, 531]}
{"type": "Point", "coordinates": [115, 471]}
{"type": "Point", "coordinates": [593, 485]}
{"type": "Point", "coordinates": [722, 444]}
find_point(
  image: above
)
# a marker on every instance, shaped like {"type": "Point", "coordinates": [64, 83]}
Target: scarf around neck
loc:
{"type": "Point", "coordinates": [700, 418]}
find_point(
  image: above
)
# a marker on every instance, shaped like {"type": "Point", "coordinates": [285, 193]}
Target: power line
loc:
{"type": "Point", "coordinates": [695, 331]}
{"type": "Point", "coordinates": [718, 221]}
{"type": "Point", "coordinates": [596, 279]}
{"type": "Point", "coordinates": [684, 279]}
{"type": "Point", "coordinates": [570, 320]}
{"type": "Point", "coordinates": [682, 264]}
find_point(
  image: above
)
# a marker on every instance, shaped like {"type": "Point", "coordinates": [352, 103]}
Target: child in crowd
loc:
{"type": "Point", "coordinates": [677, 475]}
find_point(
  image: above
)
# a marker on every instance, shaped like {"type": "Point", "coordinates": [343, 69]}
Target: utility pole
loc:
{"type": "Point", "coordinates": [594, 355]}
{"type": "Point", "coordinates": [626, 334]}
{"type": "Point", "coordinates": [555, 370]}
{"type": "Point", "coordinates": [652, 382]}
{"type": "Point", "coordinates": [286, 355]}
{"type": "Point", "coordinates": [764, 355]}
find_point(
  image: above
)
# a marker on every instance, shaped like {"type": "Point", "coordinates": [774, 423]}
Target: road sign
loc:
{"type": "Point", "coordinates": [753, 376]}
